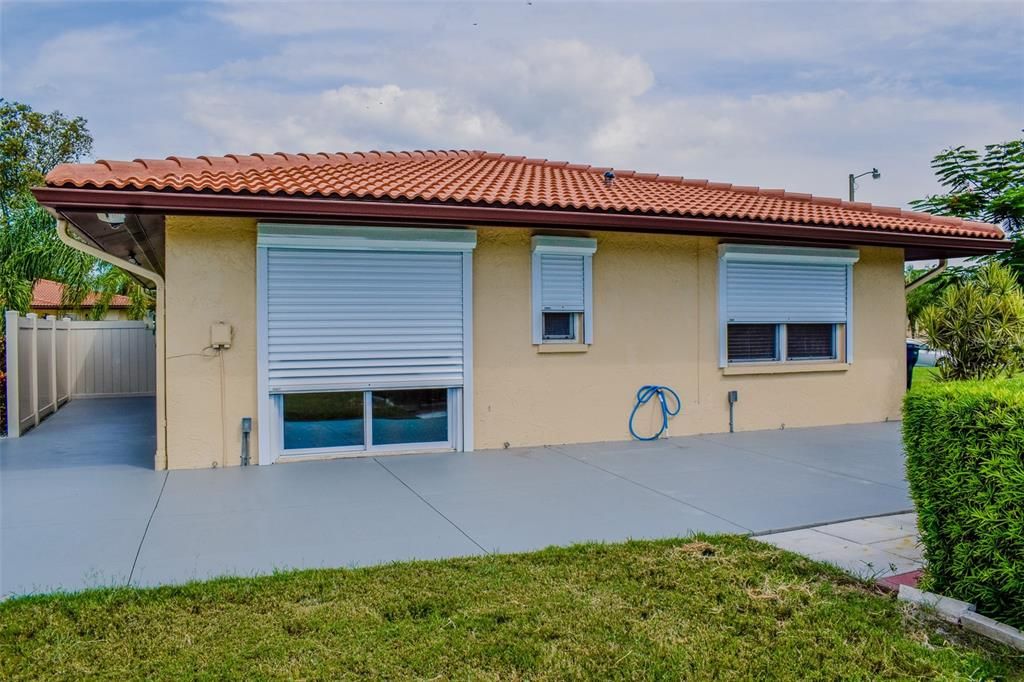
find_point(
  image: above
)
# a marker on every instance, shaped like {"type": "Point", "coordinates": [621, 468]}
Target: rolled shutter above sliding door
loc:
{"type": "Point", "coordinates": [359, 319]}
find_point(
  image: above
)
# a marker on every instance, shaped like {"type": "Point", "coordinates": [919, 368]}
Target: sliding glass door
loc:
{"type": "Point", "coordinates": [366, 421]}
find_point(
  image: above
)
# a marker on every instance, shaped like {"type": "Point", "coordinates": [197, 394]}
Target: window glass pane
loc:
{"type": "Point", "coordinates": [322, 420]}
{"type": "Point", "coordinates": [559, 326]}
{"type": "Point", "coordinates": [752, 342]}
{"type": "Point", "coordinates": [419, 416]}
{"type": "Point", "coordinates": [810, 341]}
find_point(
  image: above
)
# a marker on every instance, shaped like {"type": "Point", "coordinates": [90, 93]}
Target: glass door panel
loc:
{"type": "Point", "coordinates": [413, 416]}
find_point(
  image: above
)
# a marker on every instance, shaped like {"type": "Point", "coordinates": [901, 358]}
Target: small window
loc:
{"type": "Point", "coordinates": [810, 342]}
{"type": "Point", "coordinates": [560, 326]}
{"type": "Point", "coordinates": [753, 342]}
{"type": "Point", "coordinates": [562, 293]}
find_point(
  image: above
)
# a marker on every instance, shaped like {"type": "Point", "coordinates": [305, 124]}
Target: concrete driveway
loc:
{"type": "Point", "coordinates": [81, 506]}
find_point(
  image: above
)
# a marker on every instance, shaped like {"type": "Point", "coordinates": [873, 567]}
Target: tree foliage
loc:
{"type": "Point", "coordinates": [31, 144]}
{"type": "Point", "coordinates": [928, 293]}
{"type": "Point", "coordinates": [984, 186]}
{"type": "Point", "coordinates": [980, 325]}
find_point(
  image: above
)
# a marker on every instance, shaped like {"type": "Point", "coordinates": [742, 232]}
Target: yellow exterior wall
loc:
{"type": "Point", "coordinates": [655, 321]}
{"type": "Point", "coordinates": [211, 277]}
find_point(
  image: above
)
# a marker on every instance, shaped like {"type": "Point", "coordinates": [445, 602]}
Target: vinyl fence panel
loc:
{"type": "Point", "coordinates": [52, 361]}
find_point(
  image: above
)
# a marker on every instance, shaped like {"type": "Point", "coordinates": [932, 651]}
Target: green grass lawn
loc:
{"type": "Point", "coordinates": [714, 607]}
{"type": "Point", "coordinates": [924, 375]}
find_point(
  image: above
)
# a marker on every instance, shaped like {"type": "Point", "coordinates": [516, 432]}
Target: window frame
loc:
{"type": "Point", "coordinates": [574, 323]}
{"type": "Point", "coordinates": [573, 246]}
{"type": "Point", "coordinates": [779, 350]}
{"type": "Point", "coordinates": [836, 354]}
{"type": "Point", "coordinates": [842, 331]}
{"type": "Point", "coordinates": [782, 346]}
{"type": "Point", "coordinates": [368, 448]}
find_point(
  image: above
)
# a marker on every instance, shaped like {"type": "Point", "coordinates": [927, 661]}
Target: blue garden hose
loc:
{"type": "Point", "coordinates": [644, 396]}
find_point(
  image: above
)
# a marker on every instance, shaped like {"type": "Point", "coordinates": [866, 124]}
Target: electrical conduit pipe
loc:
{"type": "Point", "coordinates": [160, 457]}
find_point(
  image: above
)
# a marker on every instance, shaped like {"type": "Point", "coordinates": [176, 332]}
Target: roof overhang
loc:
{"type": "Point", "coordinates": [148, 208]}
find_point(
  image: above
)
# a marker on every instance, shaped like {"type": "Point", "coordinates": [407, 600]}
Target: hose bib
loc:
{"type": "Point", "coordinates": [644, 396]}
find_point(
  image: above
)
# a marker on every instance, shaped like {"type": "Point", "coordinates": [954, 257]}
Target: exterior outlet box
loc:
{"type": "Point", "coordinates": [220, 335]}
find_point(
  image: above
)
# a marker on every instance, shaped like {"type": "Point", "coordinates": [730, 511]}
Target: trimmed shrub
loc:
{"type": "Point", "coordinates": [965, 464]}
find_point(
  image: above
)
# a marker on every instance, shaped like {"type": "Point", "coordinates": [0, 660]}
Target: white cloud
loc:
{"type": "Point", "coordinates": [340, 119]}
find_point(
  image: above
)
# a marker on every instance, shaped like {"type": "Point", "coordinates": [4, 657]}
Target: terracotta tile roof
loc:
{"type": "Point", "coordinates": [47, 294]}
{"type": "Point", "coordinates": [482, 178]}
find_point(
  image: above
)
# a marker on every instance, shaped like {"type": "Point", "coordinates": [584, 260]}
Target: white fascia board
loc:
{"type": "Point", "coordinates": [355, 238]}
{"type": "Point", "coordinates": [752, 253]}
{"type": "Point", "coordinates": [573, 246]}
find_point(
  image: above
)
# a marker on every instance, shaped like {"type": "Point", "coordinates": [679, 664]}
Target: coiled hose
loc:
{"type": "Point", "coordinates": [644, 396]}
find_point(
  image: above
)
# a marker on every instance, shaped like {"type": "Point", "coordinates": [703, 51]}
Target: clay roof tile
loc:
{"type": "Point", "coordinates": [478, 177]}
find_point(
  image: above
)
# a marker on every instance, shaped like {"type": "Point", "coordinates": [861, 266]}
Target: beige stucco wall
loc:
{"type": "Point", "coordinates": [655, 321]}
{"type": "Point", "coordinates": [211, 277]}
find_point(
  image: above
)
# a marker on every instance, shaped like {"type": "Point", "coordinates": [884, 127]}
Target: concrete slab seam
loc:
{"type": "Point", "coordinates": [424, 501]}
{"type": "Point", "coordinates": [145, 532]}
{"type": "Point", "coordinates": [648, 488]}
{"type": "Point", "coordinates": [811, 467]}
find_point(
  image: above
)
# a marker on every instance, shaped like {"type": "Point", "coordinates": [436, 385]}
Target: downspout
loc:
{"type": "Point", "coordinates": [160, 458]}
{"type": "Point", "coordinates": [928, 276]}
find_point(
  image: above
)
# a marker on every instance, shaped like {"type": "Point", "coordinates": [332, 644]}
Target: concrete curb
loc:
{"type": "Point", "coordinates": [963, 614]}
{"type": "Point", "coordinates": [993, 629]}
{"type": "Point", "coordinates": [945, 607]}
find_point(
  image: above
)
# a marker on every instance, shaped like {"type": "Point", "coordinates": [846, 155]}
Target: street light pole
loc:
{"type": "Point", "coordinates": [853, 180]}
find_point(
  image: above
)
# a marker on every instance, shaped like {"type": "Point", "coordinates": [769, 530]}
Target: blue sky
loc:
{"type": "Point", "coordinates": [776, 94]}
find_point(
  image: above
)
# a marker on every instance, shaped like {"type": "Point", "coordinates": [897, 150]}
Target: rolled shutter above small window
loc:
{"type": "Point", "coordinates": [562, 281]}
{"type": "Point", "coordinates": [781, 285]}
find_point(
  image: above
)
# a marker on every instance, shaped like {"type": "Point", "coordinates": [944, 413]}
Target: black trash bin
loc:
{"type": "Point", "coordinates": [913, 350]}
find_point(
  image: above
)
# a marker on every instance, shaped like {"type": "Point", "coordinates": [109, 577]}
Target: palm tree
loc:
{"type": "Point", "coordinates": [30, 250]}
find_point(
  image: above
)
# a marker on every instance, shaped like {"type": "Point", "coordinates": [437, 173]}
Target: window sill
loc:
{"type": "Point", "coordinates": [562, 348]}
{"type": "Point", "coordinates": [784, 368]}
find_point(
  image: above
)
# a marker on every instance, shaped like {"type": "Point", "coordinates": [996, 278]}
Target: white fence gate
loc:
{"type": "Point", "coordinates": [51, 361]}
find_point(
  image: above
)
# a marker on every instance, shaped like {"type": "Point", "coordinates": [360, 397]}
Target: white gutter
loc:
{"type": "Point", "coordinates": [160, 458]}
{"type": "Point", "coordinates": [928, 276]}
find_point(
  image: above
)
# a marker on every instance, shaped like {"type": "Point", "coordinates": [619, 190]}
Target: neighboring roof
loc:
{"type": "Point", "coordinates": [47, 294]}
{"type": "Point", "coordinates": [481, 178]}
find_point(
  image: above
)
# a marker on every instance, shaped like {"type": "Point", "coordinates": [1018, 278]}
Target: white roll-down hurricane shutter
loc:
{"type": "Point", "coordinates": [364, 319]}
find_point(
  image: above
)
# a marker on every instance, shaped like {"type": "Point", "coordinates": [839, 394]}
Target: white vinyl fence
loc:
{"type": "Point", "coordinates": [51, 361]}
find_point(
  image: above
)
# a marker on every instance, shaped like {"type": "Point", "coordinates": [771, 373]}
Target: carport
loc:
{"type": "Point", "coordinates": [81, 505]}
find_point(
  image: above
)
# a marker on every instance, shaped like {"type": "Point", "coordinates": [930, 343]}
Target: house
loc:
{"type": "Point", "coordinates": [358, 304]}
{"type": "Point", "coordinates": [47, 300]}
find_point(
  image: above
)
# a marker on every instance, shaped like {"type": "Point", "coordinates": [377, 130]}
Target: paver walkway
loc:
{"type": "Point", "coordinates": [872, 548]}
{"type": "Point", "coordinates": [81, 506]}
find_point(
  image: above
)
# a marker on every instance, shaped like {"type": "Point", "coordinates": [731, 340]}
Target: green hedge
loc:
{"type": "Point", "coordinates": [965, 464]}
